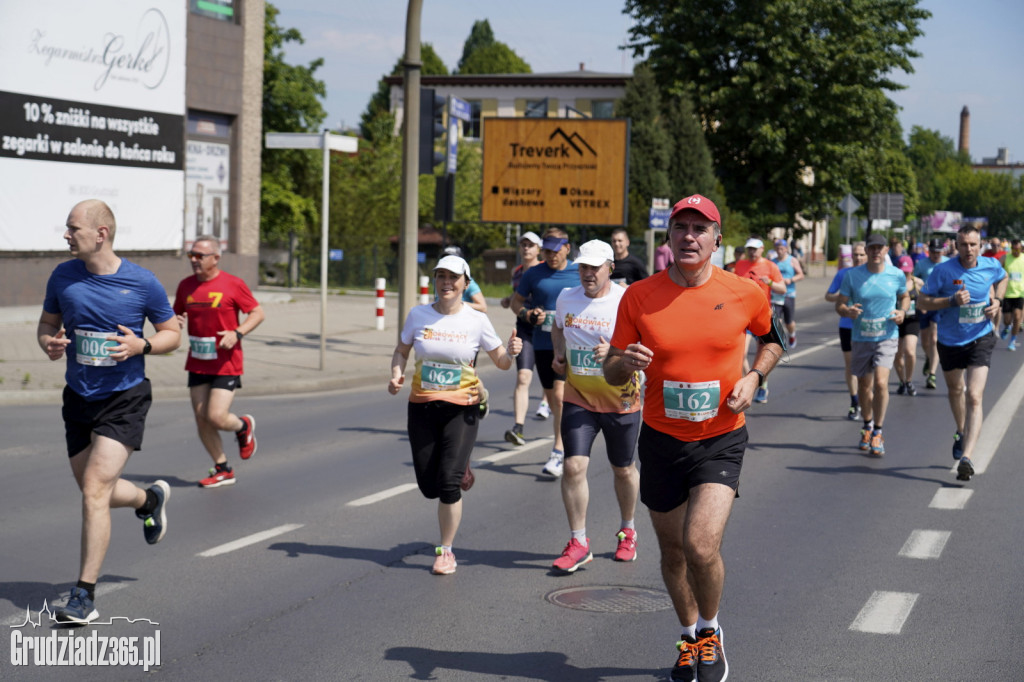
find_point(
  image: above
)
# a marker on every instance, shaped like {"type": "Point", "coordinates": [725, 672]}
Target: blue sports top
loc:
{"type": "Point", "coordinates": [91, 307]}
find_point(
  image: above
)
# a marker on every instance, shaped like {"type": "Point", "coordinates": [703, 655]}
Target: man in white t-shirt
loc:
{"type": "Point", "coordinates": [583, 326]}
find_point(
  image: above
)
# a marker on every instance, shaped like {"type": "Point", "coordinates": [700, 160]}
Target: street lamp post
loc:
{"type": "Point", "coordinates": [408, 243]}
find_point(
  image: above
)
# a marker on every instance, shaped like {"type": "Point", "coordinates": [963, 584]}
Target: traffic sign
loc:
{"type": "Point", "coordinates": [658, 219]}
{"type": "Point", "coordinates": [849, 204]}
{"type": "Point", "coordinates": [460, 109]}
{"type": "Point", "coordinates": [886, 206]}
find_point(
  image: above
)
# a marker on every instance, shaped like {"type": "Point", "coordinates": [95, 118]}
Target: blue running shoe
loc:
{"type": "Point", "coordinates": [762, 395]}
{"type": "Point", "coordinates": [965, 470]}
{"type": "Point", "coordinates": [958, 445]}
{"type": "Point", "coordinates": [79, 609]}
{"type": "Point", "coordinates": [1003, 334]}
{"type": "Point", "coordinates": [154, 525]}
{"type": "Point", "coordinates": [1012, 346]}
{"type": "Point", "coordinates": [711, 663]}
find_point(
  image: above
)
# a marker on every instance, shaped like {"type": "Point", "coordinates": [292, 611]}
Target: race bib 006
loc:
{"type": "Point", "coordinates": [93, 348]}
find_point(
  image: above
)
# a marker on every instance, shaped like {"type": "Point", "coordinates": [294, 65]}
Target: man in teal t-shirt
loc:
{"type": "Point", "coordinates": [874, 296]}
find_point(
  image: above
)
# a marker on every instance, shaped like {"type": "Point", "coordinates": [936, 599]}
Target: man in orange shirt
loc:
{"type": "Point", "coordinates": [765, 274]}
{"type": "Point", "coordinates": [684, 328]}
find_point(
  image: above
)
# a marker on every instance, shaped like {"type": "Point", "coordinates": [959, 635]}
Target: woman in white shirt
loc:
{"type": "Point", "coordinates": [446, 393]}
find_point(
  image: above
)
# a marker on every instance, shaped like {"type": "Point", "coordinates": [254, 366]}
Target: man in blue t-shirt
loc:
{"type": "Point", "coordinates": [93, 314]}
{"type": "Point", "coordinates": [858, 256]}
{"type": "Point", "coordinates": [967, 291]}
{"type": "Point", "coordinates": [874, 296]}
{"type": "Point", "coordinates": [543, 283]}
{"type": "Point", "coordinates": [792, 272]}
{"type": "Point", "coordinates": [922, 269]}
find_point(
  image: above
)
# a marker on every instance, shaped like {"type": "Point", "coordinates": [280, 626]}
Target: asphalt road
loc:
{"type": "Point", "coordinates": [840, 566]}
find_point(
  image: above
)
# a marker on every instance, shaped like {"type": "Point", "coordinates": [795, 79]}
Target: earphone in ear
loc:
{"type": "Point", "coordinates": [718, 241]}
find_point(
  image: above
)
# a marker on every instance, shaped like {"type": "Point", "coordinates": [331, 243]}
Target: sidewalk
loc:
{"type": "Point", "coordinates": [282, 356]}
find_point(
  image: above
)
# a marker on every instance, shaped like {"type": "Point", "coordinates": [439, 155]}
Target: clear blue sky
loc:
{"type": "Point", "coordinates": [970, 54]}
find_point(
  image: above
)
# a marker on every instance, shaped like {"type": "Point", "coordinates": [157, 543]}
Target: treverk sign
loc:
{"type": "Point", "coordinates": [555, 170]}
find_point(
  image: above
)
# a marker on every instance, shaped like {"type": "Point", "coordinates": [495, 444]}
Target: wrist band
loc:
{"type": "Point", "coordinates": [758, 373]}
{"type": "Point", "coordinates": [239, 334]}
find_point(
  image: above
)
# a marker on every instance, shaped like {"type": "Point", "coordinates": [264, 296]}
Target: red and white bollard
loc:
{"type": "Point", "coordinates": [379, 283]}
{"type": "Point", "coordinates": [424, 290]}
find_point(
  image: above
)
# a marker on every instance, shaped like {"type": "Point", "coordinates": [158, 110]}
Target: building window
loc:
{"type": "Point", "coordinates": [602, 108]}
{"type": "Point", "coordinates": [536, 108]}
{"type": "Point", "coordinates": [471, 128]}
{"type": "Point", "coordinates": [215, 9]}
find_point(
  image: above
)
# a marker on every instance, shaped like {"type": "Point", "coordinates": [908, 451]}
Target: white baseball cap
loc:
{"type": "Point", "coordinates": [454, 264]}
{"type": "Point", "coordinates": [754, 243]}
{"type": "Point", "coordinates": [595, 253]}
{"type": "Point", "coordinates": [532, 236]}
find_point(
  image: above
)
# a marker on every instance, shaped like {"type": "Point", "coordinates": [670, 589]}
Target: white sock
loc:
{"type": "Point", "coordinates": [710, 623]}
{"type": "Point", "coordinates": [628, 524]}
{"type": "Point", "coordinates": [690, 631]}
{"type": "Point", "coordinates": [580, 535]}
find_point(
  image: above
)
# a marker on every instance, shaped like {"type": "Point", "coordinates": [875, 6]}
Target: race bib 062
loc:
{"type": "Point", "coordinates": [440, 376]}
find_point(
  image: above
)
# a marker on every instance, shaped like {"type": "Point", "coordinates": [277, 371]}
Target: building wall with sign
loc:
{"type": "Point", "coordinates": [138, 105]}
{"type": "Point", "coordinates": [510, 95]}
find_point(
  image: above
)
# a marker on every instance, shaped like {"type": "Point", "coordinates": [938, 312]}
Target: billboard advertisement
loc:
{"type": "Point", "coordinates": [942, 221]}
{"type": "Point", "coordinates": [555, 170]}
{"type": "Point", "coordinates": [92, 105]}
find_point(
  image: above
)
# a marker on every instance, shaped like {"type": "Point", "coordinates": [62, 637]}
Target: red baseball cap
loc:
{"type": "Point", "coordinates": [700, 204]}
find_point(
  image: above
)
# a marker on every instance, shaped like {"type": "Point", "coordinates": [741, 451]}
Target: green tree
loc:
{"type": "Point", "coordinates": [480, 36]}
{"type": "Point", "coordinates": [494, 58]}
{"type": "Point", "coordinates": [291, 103]}
{"type": "Point", "coordinates": [365, 201]}
{"type": "Point", "coordinates": [380, 102]}
{"type": "Point", "coordinates": [781, 86]}
{"type": "Point", "coordinates": [995, 196]}
{"type": "Point", "coordinates": [935, 162]}
{"type": "Point", "coordinates": [650, 147]}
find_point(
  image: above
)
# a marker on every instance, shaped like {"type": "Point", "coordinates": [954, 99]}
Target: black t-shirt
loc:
{"type": "Point", "coordinates": [630, 268]}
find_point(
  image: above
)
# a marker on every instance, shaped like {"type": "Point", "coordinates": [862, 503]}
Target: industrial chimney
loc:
{"type": "Point", "coordinates": [965, 131]}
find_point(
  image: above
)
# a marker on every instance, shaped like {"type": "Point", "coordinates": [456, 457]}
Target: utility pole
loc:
{"type": "Point", "coordinates": [408, 242]}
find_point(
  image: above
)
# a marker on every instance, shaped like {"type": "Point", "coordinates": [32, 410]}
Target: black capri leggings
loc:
{"type": "Point", "coordinates": [442, 436]}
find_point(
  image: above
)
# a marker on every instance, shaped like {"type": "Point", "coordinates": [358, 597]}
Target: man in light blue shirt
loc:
{"type": "Point", "coordinates": [967, 291]}
{"type": "Point", "coordinates": [874, 296]}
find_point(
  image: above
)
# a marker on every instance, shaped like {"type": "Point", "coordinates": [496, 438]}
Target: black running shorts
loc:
{"type": "Point", "coordinates": [669, 468]}
{"type": "Point", "coordinates": [120, 417]}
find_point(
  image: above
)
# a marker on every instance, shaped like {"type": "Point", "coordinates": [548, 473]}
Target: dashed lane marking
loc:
{"type": "Point", "coordinates": [250, 540]}
{"type": "Point", "coordinates": [382, 495]}
{"type": "Point", "coordinates": [885, 613]}
{"type": "Point", "coordinates": [925, 544]}
{"type": "Point", "coordinates": [950, 498]}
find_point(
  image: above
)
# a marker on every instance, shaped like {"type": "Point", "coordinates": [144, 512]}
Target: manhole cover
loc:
{"type": "Point", "coordinates": [610, 599]}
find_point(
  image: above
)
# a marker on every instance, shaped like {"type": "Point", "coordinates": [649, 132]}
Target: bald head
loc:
{"type": "Point", "coordinates": [97, 214]}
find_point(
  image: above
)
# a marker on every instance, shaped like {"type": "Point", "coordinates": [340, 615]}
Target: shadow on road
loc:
{"type": "Point", "coordinates": [430, 664]}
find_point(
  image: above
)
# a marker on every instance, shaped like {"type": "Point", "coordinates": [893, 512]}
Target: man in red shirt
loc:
{"type": "Point", "coordinates": [683, 327]}
{"type": "Point", "coordinates": [765, 273]}
{"type": "Point", "coordinates": [209, 303]}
